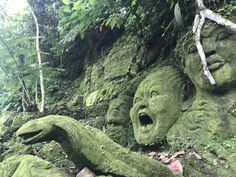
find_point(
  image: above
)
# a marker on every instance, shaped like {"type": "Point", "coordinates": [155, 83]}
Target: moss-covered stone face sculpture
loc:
{"type": "Point", "coordinates": [208, 126]}
{"type": "Point", "coordinates": [157, 105]}
{"type": "Point", "coordinates": [118, 112]}
{"type": "Point", "coordinates": [219, 46]}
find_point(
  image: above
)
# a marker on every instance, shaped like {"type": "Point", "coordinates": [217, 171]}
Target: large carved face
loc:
{"type": "Point", "coordinates": [156, 105]}
{"type": "Point", "coordinates": [219, 45]}
{"type": "Point", "coordinates": [118, 111]}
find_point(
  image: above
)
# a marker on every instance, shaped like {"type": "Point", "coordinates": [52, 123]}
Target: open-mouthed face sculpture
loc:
{"type": "Point", "coordinates": [219, 45]}
{"type": "Point", "coordinates": [157, 104]}
{"type": "Point", "coordinates": [118, 111]}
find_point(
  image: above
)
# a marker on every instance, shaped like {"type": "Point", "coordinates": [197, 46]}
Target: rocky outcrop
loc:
{"type": "Point", "coordinates": [29, 166]}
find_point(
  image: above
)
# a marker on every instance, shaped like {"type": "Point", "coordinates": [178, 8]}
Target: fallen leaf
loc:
{"type": "Point", "coordinates": [85, 172]}
{"type": "Point", "coordinates": [175, 166]}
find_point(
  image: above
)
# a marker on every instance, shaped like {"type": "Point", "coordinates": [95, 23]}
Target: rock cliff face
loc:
{"type": "Point", "coordinates": [113, 77]}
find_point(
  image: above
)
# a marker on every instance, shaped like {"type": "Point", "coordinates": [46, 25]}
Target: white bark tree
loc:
{"type": "Point", "coordinates": [41, 107]}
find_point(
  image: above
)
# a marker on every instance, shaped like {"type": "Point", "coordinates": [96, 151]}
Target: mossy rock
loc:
{"type": "Point", "coordinates": [92, 98]}
{"type": "Point", "coordinates": [53, 153]}
{"type": "Point", "coordinates": [117, 133]}
{"type": "Point", "coordinates": [11, 121]}
{"type": "Point", "coordinates": [96, 111]}
{"type": "Point", "coordinates": [29, 166]}
{"type": "Point", "coordinates": [119, 60]}
{"type": "Point", "coordinates": [109, 76]}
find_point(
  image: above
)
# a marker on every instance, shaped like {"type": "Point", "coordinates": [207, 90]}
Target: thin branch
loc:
{"type": "Point", "coordinates": [9, 51]}
{"type": "Point", "coordinates": [201, 51]}
{"type": "Point", "coordinates": [220, 20]}
{"type": "Point", "coordinates": [5, 18]}
{"type": "Point", "coordinates": [4, 69]}
{"type": "Point", "coordinates": [4, 15]}
{"type": "Point", "coordinates": [18, 67]}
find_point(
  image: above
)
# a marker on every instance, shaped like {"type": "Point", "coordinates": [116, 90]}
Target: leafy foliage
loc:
{"type": "Point", "coordinates": [73, 34]}
{"type": "Point", "coordinates": [134, 16]}
{"type": "Point", "coordinates": [19, 76]}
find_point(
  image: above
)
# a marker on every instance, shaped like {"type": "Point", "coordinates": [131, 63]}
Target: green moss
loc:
{"type": "Point", "coordinates": [92, 98]}
{"type": "Point", "coordinates": [51, 152]}
{"type": "Point", "coordinates": [109, 76]}
{"type": "Point", "coordinates": [119, 60]}
{"type": "Point", "coordinates": [95, 115]}
{"type": "Point", "coordinates": [11, 121]}
{"type": "Point", "coordinates": [29, 166]}
{"type": "Point", "coordinates": [117, 133]}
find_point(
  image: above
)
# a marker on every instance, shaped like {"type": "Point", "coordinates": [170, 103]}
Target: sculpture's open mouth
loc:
{"type": "Point", "coordinates": [145, 121]}
{"type": "Point", "coordinates": [29, 137]}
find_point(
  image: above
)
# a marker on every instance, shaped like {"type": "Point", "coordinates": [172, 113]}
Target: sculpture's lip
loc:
{"type": "Point", "coordinates": [215, 64]}
{"type": "Point", "coordinates": [115, 112]}
{"type": "Point", "coordinates": [145, 121]}
{"type": "Point", "coordinates": [28, 137]}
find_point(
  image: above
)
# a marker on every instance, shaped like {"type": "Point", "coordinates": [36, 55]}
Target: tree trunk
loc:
{"type": "Point", "coordinates": [42, 104]}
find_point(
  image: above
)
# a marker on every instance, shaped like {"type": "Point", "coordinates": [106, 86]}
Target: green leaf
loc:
{"type": "Point", "coordinates": [66, 2]}
{"type": "Point", "coordinates": [178, 16]}
{"type": "Point", "coordinates": [67, 10]}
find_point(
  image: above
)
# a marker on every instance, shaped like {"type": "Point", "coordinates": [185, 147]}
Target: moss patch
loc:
{"type": "Point", "coordinates": [29, 166]}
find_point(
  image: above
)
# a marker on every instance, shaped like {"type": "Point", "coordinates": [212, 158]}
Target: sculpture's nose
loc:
{"type": "Point", "coordinates": [144, 104]}
{"type": "Point", "coordinates": [209, 47]}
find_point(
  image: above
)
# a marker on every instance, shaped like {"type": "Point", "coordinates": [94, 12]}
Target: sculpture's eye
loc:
{"type": "Point", "coordinates": [137, 99]}
{"type": "Point", "coordinates": [222, 35]}
{"type": "Point", "coordinates": [122, 106]}
{"type": "Point", "coordinates": [154, 93]}
{"type": "Point", "coordinates": [192, 49]}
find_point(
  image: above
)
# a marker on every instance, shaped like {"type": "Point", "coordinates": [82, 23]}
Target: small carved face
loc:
{"type": "Point", "coordinates": [219, 46]}
{"type": "Point", "coordinates": [118, 111]}
{"type": "Point", "coordinates": [156, 106]}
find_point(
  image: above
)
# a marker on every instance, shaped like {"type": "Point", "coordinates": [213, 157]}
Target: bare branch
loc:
{"type": "Point", "coordinates": [206, 71]}
{"type": "Point", "coordinates": [197, 28]}
{"type": "Point", "coordinates": [220, 20]}
{"type": "Point", "coordinates": [42, 106]}
{"type": "Point", "coordinates": [20, 78]}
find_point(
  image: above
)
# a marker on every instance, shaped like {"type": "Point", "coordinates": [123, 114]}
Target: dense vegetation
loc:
{"type": "Point", "coordinates": [73, 35]}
